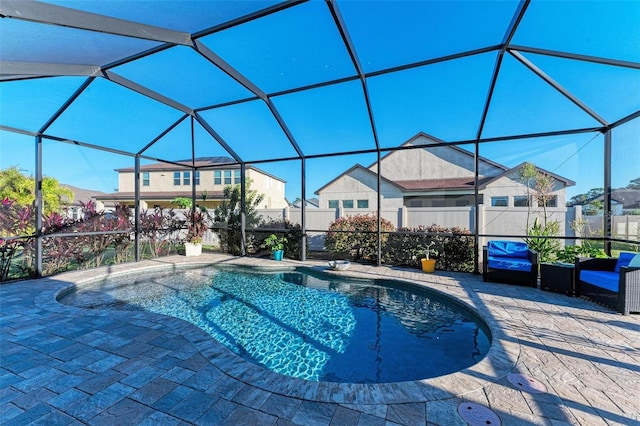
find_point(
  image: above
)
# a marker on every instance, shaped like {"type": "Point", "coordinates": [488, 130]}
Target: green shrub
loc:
{"type": "Point", "coordinates": [280, 227]}
{"type": "Point", "coordinates": [451, 247]}
{"type": "Point", "coordinates": [355, 237]}
{"type": "Point", "coordinates": [568, 254]}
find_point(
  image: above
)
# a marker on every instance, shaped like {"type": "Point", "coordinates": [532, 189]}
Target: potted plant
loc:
{"type": "Point", "coordinates": [276, 245]}
{"type": "Point", "coordinates": [428, 264]}
{"type": "Point", "coordinates": [196, 227]}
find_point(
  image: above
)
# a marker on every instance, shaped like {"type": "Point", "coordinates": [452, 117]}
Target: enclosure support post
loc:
{"type": "Point", "coordinates": [193, 168]}
{"type": "Point", "coordinates": [607, 192]}
{"type": "Point", "coordinates": [39, 208]}
{"type": "Point", "coordinates": [243, 205]}
{"type": "Point", "coordinates": [379, 224]}
{"type": "Point", "coordinates": [136, 206]}
{"type": "Point", "coordinates": [303, 207]}
{"type": "Point", "coordinates": [476, 202]}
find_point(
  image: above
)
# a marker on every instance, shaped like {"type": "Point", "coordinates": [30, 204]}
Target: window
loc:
{"type": "Point", "coordinates": [521, 201]}
{"type": "Point", "coordinates": [333, 204]}
{"type": "Point", "coordinates": [145, 178]}
{"type": "Point", "coordinates": [217, 177]}
{"type": "Point", "coordinates": [499, 201]}
{"type": "Point", "coordinates": [227, 177]}
{"type": "Point", "coordinates": [186, 178]}
{"type": "Point", "coordinates": [363, 204]}
{"type": "Point", "coordinates": [236, 176]}
{"type": "Point", "coordinates": [176, 178]}
{"type": "Point", "coordinates": [196, 177]}
{"type": "Point", "coordinates": [552, 201]}
{"type": "Point", "coordinates": [347, 204]}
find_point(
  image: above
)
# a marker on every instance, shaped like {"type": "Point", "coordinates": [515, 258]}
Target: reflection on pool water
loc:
{"type": "Point", "coordinates": [307, 324]}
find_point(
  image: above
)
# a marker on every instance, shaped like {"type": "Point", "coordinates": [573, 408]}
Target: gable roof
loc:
{"type": "Point", "coordinates": [565, 181]}
{"type": "Point", "coordinates": [352, 168]}
{"type": "Point", "coordinates": [435, 142]}
{"type": "Point", "coordinates": [629, 198]}
{"type": "Point", "coordinates": [80, 194]}
{"type": "Point", "coordinates": [444, 183]}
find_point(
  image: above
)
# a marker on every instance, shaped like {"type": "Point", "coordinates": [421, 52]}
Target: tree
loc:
{"type": "Point", "coordinates": [16, 186]}
{"type": "Point", "coordinates": [229, 212]}
{"type": "Point", "coordinates": [182, 202]}
{"type": "Point", "coordinates": [528, 175]}
{"type": "Point", "coordinates": [542, 186]}
{"type": "Point", "coordinates": [634, 183]}
{"type": "Point", "coordinates": [589, 196]}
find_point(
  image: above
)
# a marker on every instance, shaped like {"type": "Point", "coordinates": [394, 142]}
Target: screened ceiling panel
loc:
{"type": "Point", "coordinates": [296, 47]}
{"type": "Point", "coordinates": [23, 41]}
{"type": "Point", "coordinates": [182, 74]}
{"type": "Point", "coordinates": [251, 130]}
{"type": "Point", "coordinates": [189, 16]}
{"type": "Point", "coordinates": [287, 66]}
{"type": "Point", "coordinates": [28, 111]}
{"type": "Point", "coordinates": [17, 150]}
{"type": "Point", "coordinates": [444, 100]}
{"type": "Point", "coordinates": [177, 144]}
{"type": "Point", "coordinates": [611, 91]}
{"type": "Point", "coordinates": [626, 156]}
{"type": "Point", "coordinates": [429, 29]}
{"type": "Point", "coordinates": [523, 103]}
{"type": "Point", "coordinates": [104, 109]}
{"type": "Point", "coordinates": [609, 29]}
{"type": "Point", "coordinates": [328, 119]}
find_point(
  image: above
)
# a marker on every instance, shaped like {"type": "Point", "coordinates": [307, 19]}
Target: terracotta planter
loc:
{"type": "Point", "coordinates": [191, 249]}
{"type": "Point", "coordinates": [428, 265]}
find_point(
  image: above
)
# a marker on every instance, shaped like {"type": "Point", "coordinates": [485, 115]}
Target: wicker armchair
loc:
{"type": "Point", "coordinates": [510, 262]}
{"type": "Point", "coordinates": [620, 291]}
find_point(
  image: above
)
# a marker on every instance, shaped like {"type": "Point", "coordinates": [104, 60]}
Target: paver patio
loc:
{"type": "Point", "coordinates": [66, 365]}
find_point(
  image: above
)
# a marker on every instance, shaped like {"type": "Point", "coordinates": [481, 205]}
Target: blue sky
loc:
{"type": "Point", "coordinates": [300, 46]}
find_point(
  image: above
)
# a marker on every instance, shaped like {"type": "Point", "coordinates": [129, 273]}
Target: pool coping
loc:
{"type": "Point", "coordinates": [499, 361]}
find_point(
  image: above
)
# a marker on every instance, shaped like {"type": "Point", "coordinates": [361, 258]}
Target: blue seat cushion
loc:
{"type": "Point", "coordinates": [510, 249]}
{"type": "Point", "coordinates": [623, 260]}
{"type": "Point", "coordinates": [603, 279]}
{"type": "Point", "coordinates": [509, 263]}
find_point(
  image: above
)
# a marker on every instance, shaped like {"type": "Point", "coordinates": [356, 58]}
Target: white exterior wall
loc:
{"type": "Point", "coordinates": [273, 189]}
{"type": "Point", "coordinates": [162, 181]}
{"type": "Point", "coordinates": [361, 185]}
{"type": "Point", "coordinates": [511, 187]}
{"type": "Point", "coordinates": [432, 162]}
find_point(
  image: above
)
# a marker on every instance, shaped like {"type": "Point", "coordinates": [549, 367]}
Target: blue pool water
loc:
{"type": "Point", "coordinates": [307, 324]}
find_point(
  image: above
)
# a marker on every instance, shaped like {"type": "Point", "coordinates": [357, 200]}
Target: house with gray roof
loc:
{"type": "Point", "coordinates": [430, 173]}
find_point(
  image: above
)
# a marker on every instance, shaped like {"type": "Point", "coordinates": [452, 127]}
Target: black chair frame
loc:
{"type": "Point", "coordinates": [506, 276]}
{"type": "Point", "coordinates": [625, 300]}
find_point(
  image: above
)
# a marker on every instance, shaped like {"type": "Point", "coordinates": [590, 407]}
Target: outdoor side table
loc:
{"type": "Point", "coordinates": [558, 277]}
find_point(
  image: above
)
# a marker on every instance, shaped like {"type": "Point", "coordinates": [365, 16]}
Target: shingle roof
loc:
{"type": "Point", "coordinates": [159, 195]}
{"type": "Point", "coordinates": [433, 184]}
{"type": "Point", "coordinates": [199, 162]}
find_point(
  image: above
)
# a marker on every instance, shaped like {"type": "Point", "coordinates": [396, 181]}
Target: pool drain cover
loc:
{"type": "Point", "coordinates": [526, 383]}
{"type": "Point", "coordinates": [478, 415]}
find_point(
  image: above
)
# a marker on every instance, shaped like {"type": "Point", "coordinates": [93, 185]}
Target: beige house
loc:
{"type": "Point", "coordinates": [161, 183]}
{"type": "Point", "coordinates": [434, 176]}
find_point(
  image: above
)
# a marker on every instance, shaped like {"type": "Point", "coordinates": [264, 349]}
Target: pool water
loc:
{"type": "Point", "coordinates": [308, 324]}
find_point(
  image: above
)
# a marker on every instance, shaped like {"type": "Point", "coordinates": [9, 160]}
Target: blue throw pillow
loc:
{"type": "Point", "coordinates": [508, 249]}
{"type": "Point", "coordinates": [623, 260]}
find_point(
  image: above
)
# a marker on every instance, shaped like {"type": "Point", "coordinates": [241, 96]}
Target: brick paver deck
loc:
{"type": "Point", "coordinates": [61, 365]}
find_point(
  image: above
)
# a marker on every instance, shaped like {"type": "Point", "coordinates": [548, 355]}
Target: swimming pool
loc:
{"type": "Point", "coordinates": [307, 324]}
